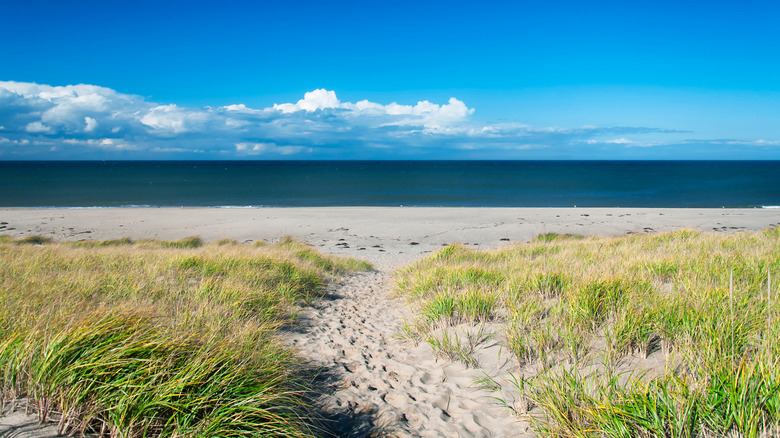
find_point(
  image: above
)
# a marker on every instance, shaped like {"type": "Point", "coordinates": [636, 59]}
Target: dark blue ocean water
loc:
{"type": "Point", "coordinates": [391, 183]}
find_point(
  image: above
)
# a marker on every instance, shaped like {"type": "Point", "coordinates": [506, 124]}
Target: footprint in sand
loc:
{"type": "Point", "coordinates": [353, 332]}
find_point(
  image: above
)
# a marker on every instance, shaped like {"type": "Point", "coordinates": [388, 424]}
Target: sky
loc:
{"type": "Point", "coordinates": [390, 80]}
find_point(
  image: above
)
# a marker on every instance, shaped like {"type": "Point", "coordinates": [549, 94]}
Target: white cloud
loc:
{"type": "Point", "coordinates": [90, 123]}
{"type": "Point", "coordinates": [37, 127]}
{"type": "Point", "coordinates": [78, 119]}
{"type": "Point", "coordinates": [365, 106]}
{"type": "Point", "coordinates": [272, 148]}
{"type": "Point", "coordinates": [312, 101]}
{"type": "Point", "coordinates": [238, 107]}
{"type": "Point", "coordinates": [317, 119]}
{"type": "Point", "coordinates": [625, 142]}
{"type": "Point", "coordinates": [63, 110]}
{"type": "Point", "coordinates": [243, 109]}
{"type": "Point", "coordinates": [14, 142]}
{"type": "Point", "coordinates": [619, 141]}
{"type": "Point", "coordinates": [171, 118]}
{"type": "Point", "coordinates": [436, 119]}
{"type": "Point", "coordinates": [114, 144]}
{"type": "Point", "coordinates": [430, 116]}
{"type": "Point", "coordinates": [759, 142]}
{"type": "Point", "coordinates": [235, 123]}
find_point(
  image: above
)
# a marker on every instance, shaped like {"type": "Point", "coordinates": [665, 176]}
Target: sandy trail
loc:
{"type": "Point", "coordinates": [400, 389]}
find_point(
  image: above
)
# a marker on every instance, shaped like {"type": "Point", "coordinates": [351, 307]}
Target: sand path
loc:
{"type": "Point", "coordinates": [389, 386]}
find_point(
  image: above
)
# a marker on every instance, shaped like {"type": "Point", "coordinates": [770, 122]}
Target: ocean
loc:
{"type": "Point", "coordinates": [81, 184]}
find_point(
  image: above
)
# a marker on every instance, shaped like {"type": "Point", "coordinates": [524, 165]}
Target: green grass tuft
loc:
{"type": "Point", "coordinates": [101, 243]}
{"type": "Point", "coordinates": [33, 240]}
{"type": "Point", "coordinates": [554, 237]}
{"type": "Point", "coordinates": [187, 242]}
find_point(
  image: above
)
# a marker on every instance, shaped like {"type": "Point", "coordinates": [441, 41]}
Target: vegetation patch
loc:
{"type": "Point", "coordinates": [99, 243]}
{"type": "Point", "coordinates": [552, 237]}
{"type": "Point", "coordinates": [156, 338]}
{"type": "Point", "coordinates": [33, 240]}
{"type": "Point", "coordinates": [187, 242]}
{"type": "Point", "coordinates": [671, 335]}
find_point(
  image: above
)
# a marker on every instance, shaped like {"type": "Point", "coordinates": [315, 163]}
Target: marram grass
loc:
{"type": "Point", "coordinates": [671, 335]}
{"type": "Point", "coordinates": [158, 338]}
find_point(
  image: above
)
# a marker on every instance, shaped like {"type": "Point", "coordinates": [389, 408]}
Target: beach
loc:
{"type": "Point", "coordinates": [389, 237]}
{"type": "Point", "coordinates": [379, 383]}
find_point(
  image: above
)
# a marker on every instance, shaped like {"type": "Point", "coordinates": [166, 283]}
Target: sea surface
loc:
{"type": "Point", "coordinates": [390, 183]}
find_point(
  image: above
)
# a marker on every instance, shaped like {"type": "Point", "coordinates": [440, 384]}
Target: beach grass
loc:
{"type": "Point", "coordinates": [672, 335]}
{"type": "Point", "coordinates": [156, 338]}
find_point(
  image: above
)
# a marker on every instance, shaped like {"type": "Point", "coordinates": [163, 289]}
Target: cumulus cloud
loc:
{"type": "Point", "coordinates": [426, 115]}
{"type": "Point", "coordinates": [312, 101]}
{"type": "Point", "coordinates": [65, 112]}
{"type": "Point", "coordinates": [36, 127]}
{"type": "Point", "coordinates": [172, 119]}
{"type": "Point", "coordinates": [89, 121]}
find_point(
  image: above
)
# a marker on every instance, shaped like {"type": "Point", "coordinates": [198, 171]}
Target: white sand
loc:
{"type": "Point", "coordinates": [380, 381]}
{"type": "Point", "coordinates": [394, 229]}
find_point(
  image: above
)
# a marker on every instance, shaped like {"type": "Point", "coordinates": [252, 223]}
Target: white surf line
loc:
{"type": "Point", "coordinates": [403, 390]}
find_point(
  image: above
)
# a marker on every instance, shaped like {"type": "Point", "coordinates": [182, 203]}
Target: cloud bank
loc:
{"type": "Point", "coordinates": [93, 122]}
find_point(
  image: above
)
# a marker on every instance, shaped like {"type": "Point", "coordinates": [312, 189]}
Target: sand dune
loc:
{"type": "Point", "coordinates": [376, 382]}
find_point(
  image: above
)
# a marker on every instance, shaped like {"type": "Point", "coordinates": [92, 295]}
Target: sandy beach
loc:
{"type": "Point", "coordinates": [389, 237]}
{"type": "Point", "coordinates": [379, 383]}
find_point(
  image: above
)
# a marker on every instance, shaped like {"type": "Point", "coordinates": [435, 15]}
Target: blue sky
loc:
{"type": "Point", "coordinates": [390, 80]}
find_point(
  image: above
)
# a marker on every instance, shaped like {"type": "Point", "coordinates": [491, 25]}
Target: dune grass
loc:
{"type": "Point", "coordinates": [152, 338]}
{"type": "Point", "coordinates": [672, 335]}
